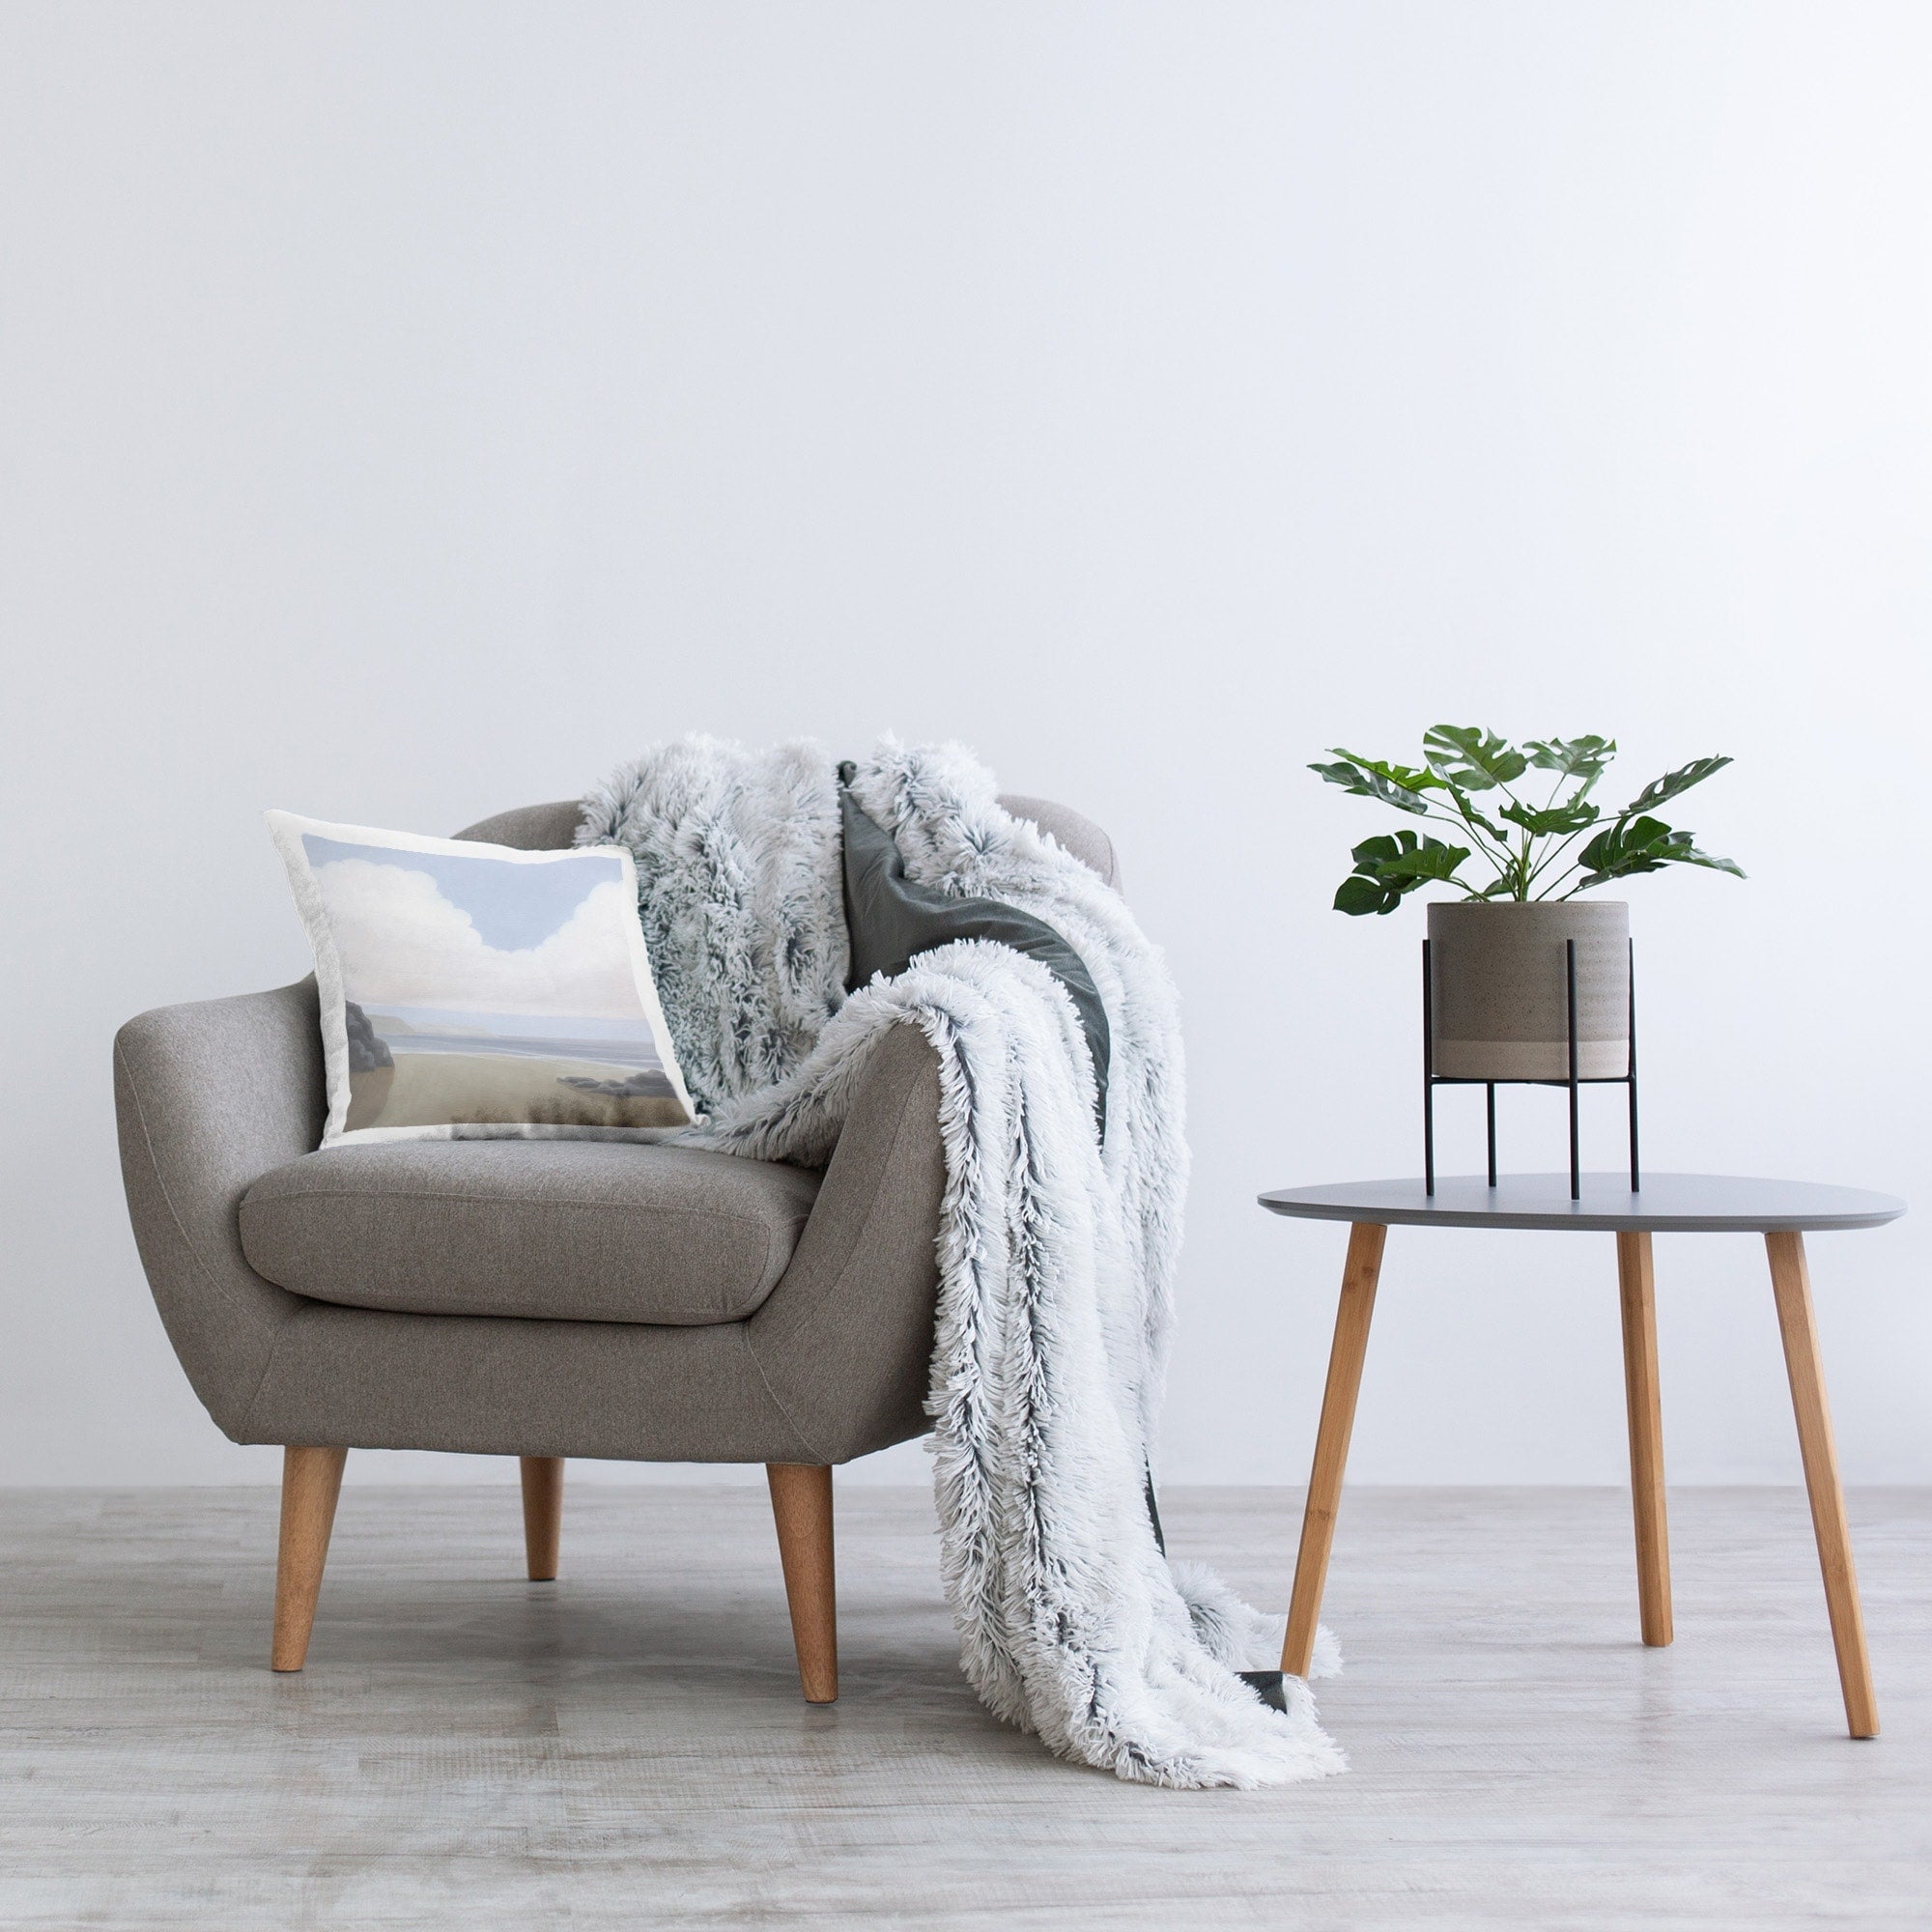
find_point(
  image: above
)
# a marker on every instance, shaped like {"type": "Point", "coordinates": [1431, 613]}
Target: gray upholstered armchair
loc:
{"type": "Point", "coordinates": [532, 1298]}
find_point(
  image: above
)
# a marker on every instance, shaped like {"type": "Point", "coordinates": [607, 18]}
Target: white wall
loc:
{"type": "Point", "coordinates": [409, 410]}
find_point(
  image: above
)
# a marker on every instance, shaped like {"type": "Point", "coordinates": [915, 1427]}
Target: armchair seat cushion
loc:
{"type": "Point", "coordinates": [585, 1230]}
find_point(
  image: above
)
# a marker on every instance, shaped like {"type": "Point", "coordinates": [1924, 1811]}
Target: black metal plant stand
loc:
{"type": "Point", "coordinates": [1431, 1079]}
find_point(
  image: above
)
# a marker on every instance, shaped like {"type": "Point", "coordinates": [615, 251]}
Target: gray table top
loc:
{"type": "Point", "coordinates": [1668, 1204]}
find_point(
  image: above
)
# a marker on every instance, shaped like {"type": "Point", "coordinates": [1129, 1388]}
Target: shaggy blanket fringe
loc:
{"type": "Point", "coordinates": [1055, 1256]}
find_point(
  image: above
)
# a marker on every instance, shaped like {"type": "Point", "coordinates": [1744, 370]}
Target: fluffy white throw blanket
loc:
{"type": "Point", "coordinates": [1056, 1258]}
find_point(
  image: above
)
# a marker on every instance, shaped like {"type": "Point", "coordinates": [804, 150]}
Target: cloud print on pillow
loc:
{"type": "Point", "coordinates": [403, 944]}
{"type": "Point", "coordinates": [470, 989]}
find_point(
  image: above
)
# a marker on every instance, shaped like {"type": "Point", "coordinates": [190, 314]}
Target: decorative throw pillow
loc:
{"type": "Point", "coordinates": [471, 991]}
{"type": "Point", "coordinates": [892, 920]}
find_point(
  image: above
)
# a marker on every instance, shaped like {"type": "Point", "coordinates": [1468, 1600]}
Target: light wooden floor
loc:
{"type": "Point", "coordinates": [627, 1746]}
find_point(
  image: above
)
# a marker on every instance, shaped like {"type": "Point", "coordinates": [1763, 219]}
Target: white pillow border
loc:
{"type": "Point", "coordinates": [288, 828]}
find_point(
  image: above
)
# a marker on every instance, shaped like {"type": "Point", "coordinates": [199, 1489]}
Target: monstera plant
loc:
{"type": "Point", "coordinates": [1527, 842]}
{"type": "Point", "coordinates": [1526, 835]}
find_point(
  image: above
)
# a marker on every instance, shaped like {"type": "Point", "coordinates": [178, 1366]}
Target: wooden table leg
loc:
{"type": "Point", "coordinates": [1359, 1275]}
{"type": "Point", "coordinates": [1636, 1289]}
{"type": "Point", "coordinates": [1791, 1285]}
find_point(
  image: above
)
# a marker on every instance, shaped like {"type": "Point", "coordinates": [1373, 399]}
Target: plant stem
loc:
{"type": "Point", "coordinates": [1551, 858]}
{"type": "Point", "coordinates": [1488, 847]}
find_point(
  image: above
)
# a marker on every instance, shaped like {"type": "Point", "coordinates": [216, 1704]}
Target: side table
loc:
{"type": "Point", "coordinates": [1782, 1212]}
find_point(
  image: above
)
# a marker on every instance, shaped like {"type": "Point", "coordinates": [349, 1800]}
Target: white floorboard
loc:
{"type": "Point", "coordinates": [627, 1746]}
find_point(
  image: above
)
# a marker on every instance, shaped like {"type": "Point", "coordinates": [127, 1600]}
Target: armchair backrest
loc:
{"type": "Point", "coordinates": [550, 828]}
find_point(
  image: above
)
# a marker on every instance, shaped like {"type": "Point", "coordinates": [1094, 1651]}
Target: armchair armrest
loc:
{"type": "Point", "coordinates": [208, 1097]}
{"type": "Point", "coordinates": [845, 1341]}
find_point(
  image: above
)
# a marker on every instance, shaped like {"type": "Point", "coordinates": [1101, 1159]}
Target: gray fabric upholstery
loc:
{"type": "Point", "coordinates": [530, 828]}
{"type": "Point", "coordinates": [845, 1341]}
{"type": "Point", "coordinates": [549, 828]}
{"type": "Point", "coordinates": [367, 1378]}
{"type": "Point", "coordinates": [207, 1099]}
{"type": "Point", "coordinates": [213, 1097]}
{"type": "Point", "coordinates": [580, 1230]}
{"type": "Point", "coordinates": [1087, 841]}
{"type": "Point", "coordinates": [833, 1365]}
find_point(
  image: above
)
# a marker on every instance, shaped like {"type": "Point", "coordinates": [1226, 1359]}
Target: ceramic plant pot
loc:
{"type": "Point", "coordinates": [1498, 1004]}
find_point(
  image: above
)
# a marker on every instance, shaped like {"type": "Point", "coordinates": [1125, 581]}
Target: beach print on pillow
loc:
{"type": "Point", "coordinates": [474, 991]}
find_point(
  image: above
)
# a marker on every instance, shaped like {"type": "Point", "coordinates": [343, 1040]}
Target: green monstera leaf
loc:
{"type": "Point", "coordinates": [1637, 846]}
{"type": "Point", "coordinates": [1587, 758]}
{"type": "Point", "coordinates": [1369, 777]}
{"type": "Point", "coordinates": [1388, 868]}
{"type": "Point", "coordinates": [1529, 846]}
{"type": "Point", "coordinates": [1572, 816]}
{"type": "Point", "coordinates": [1672, 783]}
{"type": "Point", "coordinates": [1468, 756]}
{"type": "Point", "coordinates": [1356, 896]}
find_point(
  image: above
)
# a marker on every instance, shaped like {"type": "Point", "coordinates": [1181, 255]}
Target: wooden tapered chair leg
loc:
{"type": "Point", "coordinates": [543, 1515]}
{"type": "Point", "coordinates": [1791, 1287]}
{"type": "Point", "coordinates": [311, 1481]}
{"type": "Point", "coordinates": [802, 1510]}
{"type": "Point", "coordinates": [1637, 1284]}
{"type": "Point", "coordinates": [1361, 1273]}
